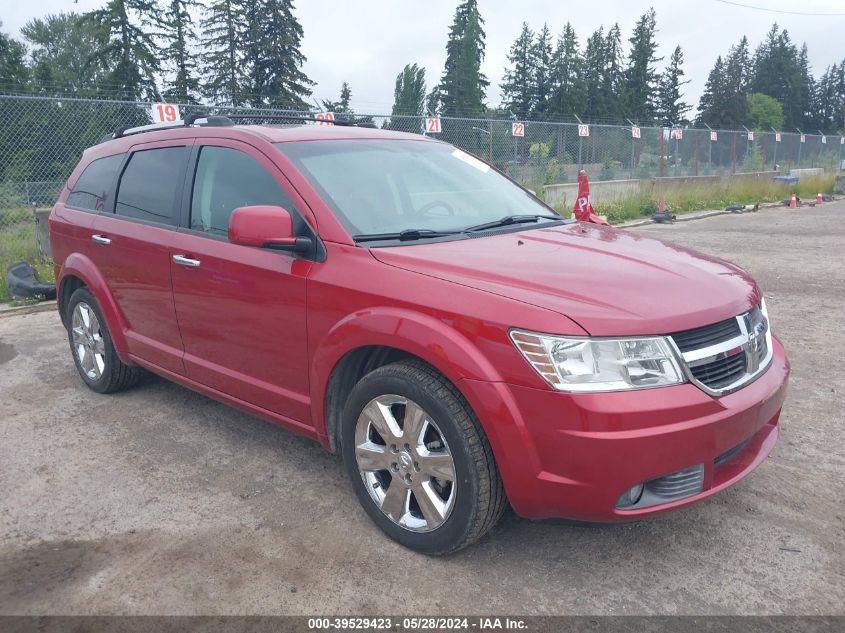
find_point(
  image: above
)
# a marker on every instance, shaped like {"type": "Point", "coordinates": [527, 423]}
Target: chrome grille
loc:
{"type": "Point", "coordinates": [707, 335]}
{"type": "Point", "coordinates": [725, 356]}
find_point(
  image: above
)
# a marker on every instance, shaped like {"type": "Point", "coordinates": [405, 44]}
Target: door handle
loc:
{"type": "Point", "coordinates": [101, 239]}
{"type": "Point", "coordinates": [185, 261]}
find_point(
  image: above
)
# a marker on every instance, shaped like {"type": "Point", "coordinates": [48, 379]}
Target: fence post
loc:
{"type": "Point", "coordinates": [799, 147]}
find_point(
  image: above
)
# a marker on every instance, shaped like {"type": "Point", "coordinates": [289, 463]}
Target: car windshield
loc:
{"type": "Point", "coordinates": [383, 187]}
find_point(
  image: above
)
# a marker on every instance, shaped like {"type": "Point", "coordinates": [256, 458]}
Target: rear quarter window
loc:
{"type": "Point", "coordinates": [94, 184]}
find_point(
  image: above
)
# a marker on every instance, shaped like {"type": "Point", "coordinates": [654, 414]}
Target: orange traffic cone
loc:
{"type": "Point", "coordinates": [793, 202]}
{"type": "Point", "coordinates": [819, 198]}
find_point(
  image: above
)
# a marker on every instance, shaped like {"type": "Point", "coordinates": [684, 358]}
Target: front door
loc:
{"type": "Point", "coordinates": [241, 310]}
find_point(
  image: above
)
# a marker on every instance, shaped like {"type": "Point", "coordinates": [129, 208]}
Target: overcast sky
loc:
{"type": "Point", "coordinates": [367, 42]}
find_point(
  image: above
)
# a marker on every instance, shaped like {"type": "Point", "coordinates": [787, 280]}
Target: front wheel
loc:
{"type": "Point", "coordinates": [418, 459]}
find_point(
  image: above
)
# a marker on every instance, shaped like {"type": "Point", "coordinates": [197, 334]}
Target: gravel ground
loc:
{"type": "Point", "coordinates": [160, 501]}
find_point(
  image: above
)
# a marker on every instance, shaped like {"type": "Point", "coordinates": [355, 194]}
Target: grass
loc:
{"type": "Point", "coordinates": [17, 244]}
{"type": "Point", "coordinates": [697, 197]}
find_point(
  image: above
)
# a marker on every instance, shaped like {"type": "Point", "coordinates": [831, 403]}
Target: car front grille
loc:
{"type": "Point", "coordinates": [707, 335]}
{"type": "Point", "coordinates": [727, 355]}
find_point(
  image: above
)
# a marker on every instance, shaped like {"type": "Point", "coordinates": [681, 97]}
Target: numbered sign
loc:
{"type": "Point", "coordinates": [432, 125]}
{"type": "Point", "coordinates": [678, 133]}
{"type": "Point", "coordinates": [750, 136]}
{"type": "Point", "coordinates": [713, 135]}
{"type": "Point", "coordinates": [777, 137]}
{"type": "Point", "coordinates": [803, 138]}
{"type": "Point", "coordinates": [324, 118]}
{"type": "Point", "coordinates": [824, 139]}
{"type": "Point", "coordinates": [583, 129]}
{"type": "Point", "coordinates": [635, 132]}
{"type": "Point", "coordinates": [518, 129]}
{"type": "Point", "coordinates": [165, 113]}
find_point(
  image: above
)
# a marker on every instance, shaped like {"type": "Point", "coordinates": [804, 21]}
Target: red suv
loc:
{"type": "Point", "coordinates": [406, 305]}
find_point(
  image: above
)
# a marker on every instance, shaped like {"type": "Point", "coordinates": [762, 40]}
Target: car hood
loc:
{"type": "Point", "coordinates": [610, 282]}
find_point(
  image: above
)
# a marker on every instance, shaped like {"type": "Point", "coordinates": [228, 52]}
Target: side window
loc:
{"type": "Point", "coordinates": [225, 180]}
{"type": "Point", "coordinates": [94, 183]}
{"type": "Point", "coordinates": [150, 184]}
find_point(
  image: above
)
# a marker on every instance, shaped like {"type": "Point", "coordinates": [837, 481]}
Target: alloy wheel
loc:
{"type": "Point", "coordinates": [405, 463]}
{"type": "Point", "coordinates": [88, 343]}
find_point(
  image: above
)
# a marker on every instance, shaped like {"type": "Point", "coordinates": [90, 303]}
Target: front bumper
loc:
{"type": "Point", "coordinates": [573, 455]}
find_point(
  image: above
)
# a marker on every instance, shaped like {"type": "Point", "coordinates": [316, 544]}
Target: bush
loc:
{"type": "Point", "coordinates": [607, 172]}
{"type": "Point", "coordinates": [17, 244]}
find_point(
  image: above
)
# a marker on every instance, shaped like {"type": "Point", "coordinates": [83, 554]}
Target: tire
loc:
{"type": "Point", "coordinates": [436, 515]}
{"type": "Point", "coordinates": [92, 348]}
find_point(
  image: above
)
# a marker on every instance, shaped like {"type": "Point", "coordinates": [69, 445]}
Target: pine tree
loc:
{"type": "Point", "coordinates": [612, 85]}
{"type": "Point", "coordinates": [224, 32]}
{"type": "Point", "coordinates": [463, 86]}
{"type": "Point", "coordinates": [541, 53]}
{"type": "Point", "coordinates": [641, 76]}
{"type": "Point", "coordinates": [569, 92]}
{"type": "Point", "coordinates": [408, 98]}
{"type": "Point", "coordinates": [340, 106]}
{"type": "Point", "coordinates": [518, 87]}
{"type": "Point", "coordinates": [670, 107]}
{"type": "Point", "coordinates": [711, 104]}
{"type": "Point", "coordinates": [594, 68]}
{"type": "Point", "coordinates": [736, 85]}
{"type": "Point", "coordinates": [273, 39]}
{"type": "Point", "coordinates": [178, 31]}
{"type": "Point", "coordinates": [130, 53]}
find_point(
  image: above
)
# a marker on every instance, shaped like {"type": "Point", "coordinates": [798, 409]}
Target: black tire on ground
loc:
{"type": "Point", "coordinates": [116, 375]}
{"type": "Point", "coordinates": [480, 499]}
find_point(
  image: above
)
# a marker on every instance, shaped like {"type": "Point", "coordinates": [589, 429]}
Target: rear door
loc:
{"type": "Point", "coordinates": [131, 249]}
{"type": "Point", "coordinates": [241, 310]}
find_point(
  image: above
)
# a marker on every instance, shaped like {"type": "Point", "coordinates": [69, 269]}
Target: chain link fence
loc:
{"type": "Point", "coordinates": [42, 139]}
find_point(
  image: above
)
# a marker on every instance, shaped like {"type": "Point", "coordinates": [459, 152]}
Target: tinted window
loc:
{"type": "Point", "coordinates": [225, 180]}
{"type": "Point", "coordinates": [94, 184]}
{"type": "Point", "coordinates": [150, 184]}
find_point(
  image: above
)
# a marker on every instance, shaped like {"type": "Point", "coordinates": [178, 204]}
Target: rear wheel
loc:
{"type": "Point", "coordinates": [92, 347]}
{"type": "Point", "coordinates": [418, 459]}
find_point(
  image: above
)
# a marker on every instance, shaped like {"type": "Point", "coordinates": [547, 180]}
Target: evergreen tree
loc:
{"type": "Point", "coordinates": [830, 99]}
{"type": "Point", "coordinates": [594, 66]}
{"type": "Point", "coordinates": [342, 105]}
{"type": "Point", "coordinates": [735, 86]}
{"type": "Point", "coordinates": [463, 86]}
{"type": "Point", "coordinates": [569, 92]}
{"type": "Point", "coordinates": [130, 53]}
{"type": "Point", "coordinates": [408, 99]}
{"type": "Point", "coordinates": [541, 53]}
{"type": "Point", "coordinates": [641, 78]}
{"type": "Point", "coordinates": [782, 72]}
{"type": "Point", "coordinates": [273, 40]}
{"type": "Point", "coordinates": [518, 87]}
{"type": "Point", "coordinates": [613, 77]}
{"type": "Point", "coordinates": [224, 31]}
{"type": "Point", "coordinates": [670, 107]}
{"type": "Point", "coordinates": [61, 46]}
{"type": "Point", "coordinates": [179, 60]}
{"type": "Point", "coordinates": [711, 105]}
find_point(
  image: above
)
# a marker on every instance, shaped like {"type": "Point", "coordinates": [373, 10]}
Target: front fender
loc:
{"type": "Point", "coordinates": [78, 265]}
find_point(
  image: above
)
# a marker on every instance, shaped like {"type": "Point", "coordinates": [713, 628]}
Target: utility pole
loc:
{"type": "Point", "coordinates": [633, 125]}
{"type": "Point", "coordinates": [709, 149]}
{"type": "Point", "coordinates": [799, 147]}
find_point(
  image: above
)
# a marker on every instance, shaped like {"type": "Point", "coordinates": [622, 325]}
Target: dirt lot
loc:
{"type": "Point", "coordinates": [159, 500]}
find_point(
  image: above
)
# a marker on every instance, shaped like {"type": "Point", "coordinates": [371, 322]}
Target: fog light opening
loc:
{"type": "Point", "coordinates": [631, 496]}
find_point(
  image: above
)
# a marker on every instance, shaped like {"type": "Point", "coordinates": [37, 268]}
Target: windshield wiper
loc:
{"type": "Point", "coordinates": [407, 235]}
{"type": "Point", "coordinates": [512, 219]}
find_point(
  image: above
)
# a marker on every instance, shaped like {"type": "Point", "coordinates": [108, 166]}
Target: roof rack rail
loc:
{"type": "Point", "coordinates": [295, 117]}
{"type": "Point", "coordinates": [188, 121]}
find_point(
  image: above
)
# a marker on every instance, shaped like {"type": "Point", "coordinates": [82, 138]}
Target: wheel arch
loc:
{"type": "Point", "coordinates": [78, 271]}
{"type": "Point", "coordinates": [366, 340]}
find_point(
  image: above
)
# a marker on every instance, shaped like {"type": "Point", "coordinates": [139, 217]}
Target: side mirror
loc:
{"type": "Point", "coordinates": [266, 226]}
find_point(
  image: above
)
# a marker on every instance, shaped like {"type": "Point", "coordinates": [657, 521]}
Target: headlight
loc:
{"type": "Point", "coordinates": [600, 364]}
